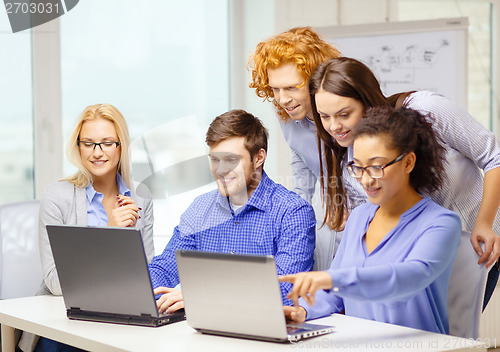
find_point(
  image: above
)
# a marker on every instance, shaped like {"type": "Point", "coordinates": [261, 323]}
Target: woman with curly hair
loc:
{"type": "Point", "coordinates": [342, 89]}
{"type": "Point", "coordinates": [395, 259]}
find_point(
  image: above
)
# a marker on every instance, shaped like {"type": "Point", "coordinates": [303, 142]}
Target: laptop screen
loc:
{"type": "Point", "coordinates": [230, 293]}
{"type": "Point", "coordinates": [102, 269]}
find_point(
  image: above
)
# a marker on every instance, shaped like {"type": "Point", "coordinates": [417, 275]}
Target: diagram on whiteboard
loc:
{"type": "Point", "coordinates": [405, 62]}
{"type": "Point", "coordinates": [403, 67]}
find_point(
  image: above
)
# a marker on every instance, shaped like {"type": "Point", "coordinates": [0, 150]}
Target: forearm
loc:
{"type": "Point", "coordinates": [163, 268]}
{"type": "Point", "coordinates": [295, 246]}
{"type": "Point", "coordinates": [490, 201]}
{"type": "Point", "coordinates": [399, 281]}
{"type": "Point", "coordinates": [325, 304]}
{"type": "Point", "coordinates": [47, 216]}
{"type": "Point", "coordinates": [431, 254]}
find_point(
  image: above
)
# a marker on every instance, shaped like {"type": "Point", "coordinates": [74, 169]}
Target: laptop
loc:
{"type": "Point", "coordinates": [237, 295]}
{"type": "Point", "coordinates": [104, 275]}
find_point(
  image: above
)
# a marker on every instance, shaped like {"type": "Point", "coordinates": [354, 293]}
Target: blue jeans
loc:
{"type": "Point", "coordinates": [47, 345]}
{"type": "Point", "coordinates": [491, 283]}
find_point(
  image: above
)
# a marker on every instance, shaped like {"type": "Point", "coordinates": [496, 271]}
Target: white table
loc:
{"type": "Point", "coordinates": [46, 316]}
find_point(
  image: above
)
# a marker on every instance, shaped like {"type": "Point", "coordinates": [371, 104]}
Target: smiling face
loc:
{"type": "Point", "coordinates": [284, 81]}
{"type": "Point", "coordinates": [373, 150]}
{"type": "Point", "coordinates": [100, 163]}
{"type": "Point", "coordinates": [339, 115]}
{"type": "Point", "coordinates": [235, 174]}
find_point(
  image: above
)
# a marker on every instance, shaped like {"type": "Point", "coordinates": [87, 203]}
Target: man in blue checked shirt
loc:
{"type": "Point", "coordinates": [248, 214]}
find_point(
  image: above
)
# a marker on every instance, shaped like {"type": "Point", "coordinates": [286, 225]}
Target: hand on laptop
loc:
{"type": "Point", "coordinates": [125, 213]}
{"type": "Point", "coordinates": [306, 284]}
{"type": "Point", "coordinates": [295, 314]}
{"type": "Point", "coordinates": [171, 299]}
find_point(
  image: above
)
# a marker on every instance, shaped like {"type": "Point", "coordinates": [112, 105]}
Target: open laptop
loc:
{"type": "Point", "coordinates": [104, 275]}
{"type": "Point", "coordinates": [237, 295]}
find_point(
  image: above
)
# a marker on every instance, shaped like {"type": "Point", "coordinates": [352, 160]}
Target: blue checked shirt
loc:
{"type": "Point", "coordinates": [274, 221]}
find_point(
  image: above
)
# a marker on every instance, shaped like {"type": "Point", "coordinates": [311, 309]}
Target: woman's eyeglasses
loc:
{"type": "Point", "coordinates": [105, 146]}
{"type": "Point", "coordinates": [374, 171]}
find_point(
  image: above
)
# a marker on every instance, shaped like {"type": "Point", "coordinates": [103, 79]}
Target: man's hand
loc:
{"type": "Point", "coordinates": [306, 284]}
{"type": "Point", "coordinates": [295, 314]}
{"type": "Point", "coordinates": [170, 301]}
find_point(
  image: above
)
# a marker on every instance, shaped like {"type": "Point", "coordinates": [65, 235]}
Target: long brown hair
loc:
{"type": "Point", "coordinates": [348, 78]}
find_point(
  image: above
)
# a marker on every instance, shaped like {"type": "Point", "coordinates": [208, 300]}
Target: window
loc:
{"type": "Point", "coordinates": [16, 134]}
{"type": "Point", "coordinates": [165, 66]}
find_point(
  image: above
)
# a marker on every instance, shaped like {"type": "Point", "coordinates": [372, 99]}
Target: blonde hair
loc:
{"type": "Point", "coordinates": [83, 177]}
{"type": "Point", "coordinates": [301, 46]}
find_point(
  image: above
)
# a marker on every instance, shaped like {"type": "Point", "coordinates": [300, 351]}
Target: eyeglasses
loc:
{"type": "Point", "coordinates": [105, 146]}
{"type": "Point", "coordinates": [374, 171]}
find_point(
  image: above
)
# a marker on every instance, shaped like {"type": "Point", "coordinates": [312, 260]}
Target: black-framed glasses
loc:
{"type": "Point", "coordinates": [374, 171]}
{"type": "Point", "coordinates": [105, 146]}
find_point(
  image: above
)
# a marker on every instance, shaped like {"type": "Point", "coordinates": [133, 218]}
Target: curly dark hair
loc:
{"type": "Point", "coordinates": [408, 131]}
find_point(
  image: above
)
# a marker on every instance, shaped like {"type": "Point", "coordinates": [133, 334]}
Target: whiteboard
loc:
{"type": "Point", "coordinates": [406, 56]}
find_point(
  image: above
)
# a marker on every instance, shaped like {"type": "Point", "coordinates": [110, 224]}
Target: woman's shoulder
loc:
{"type": "Point", "coordinates": [424, 95]}
{"type": "Point", "coordinates": [60, 194]}
{"type": "Point", "coordinates": [59, 188]}
{"type": "Point", "coordinates": [430, 102]}
{"type": "Point", "coordinates": [429, 213]}
{"type": "Point", "coordinates": [433, 207]}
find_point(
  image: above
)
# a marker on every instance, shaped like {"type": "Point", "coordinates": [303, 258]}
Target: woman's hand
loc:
{"type": "Point", "coordinates": [170, 301]}
{"type": "Point", "coordinates": [306, 284]}
{"type": "Point", "coordinates": [125, 212]}
{"type": "Point", "coordinates": [491, 242]}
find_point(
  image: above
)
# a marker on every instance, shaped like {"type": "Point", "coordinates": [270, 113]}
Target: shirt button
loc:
{"type": "Point", "coordinates": [236, 222]}
{"type": "Point", "coordinates": [335, 289]}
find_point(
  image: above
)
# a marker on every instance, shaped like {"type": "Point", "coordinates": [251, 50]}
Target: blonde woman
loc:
{"type": "Point", "coordinates": [98, 194]}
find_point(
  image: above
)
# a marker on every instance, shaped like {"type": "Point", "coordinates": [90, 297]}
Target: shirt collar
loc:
{"type": "Point", "coordinates": [122, 188]}
{"type": "Point", "coordinates": [306, 123]}
{"type": "Point", "coordinates": [91, 193]}
{"type": "Point", "coordinates": [416, 208]}
{"type": "Point", "coordinates": [350, 153]}
{"type": "Point", "coordinates": [258, 198]}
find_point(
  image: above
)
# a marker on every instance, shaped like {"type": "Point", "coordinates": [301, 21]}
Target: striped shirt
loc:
{"type": "Point", "coordinates": [274, 221]}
